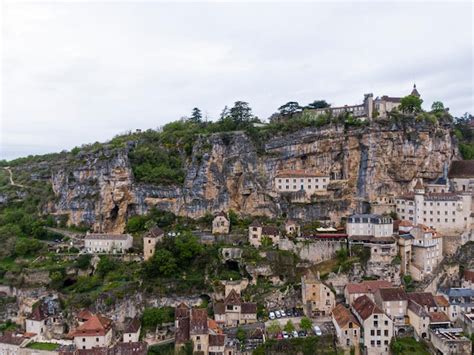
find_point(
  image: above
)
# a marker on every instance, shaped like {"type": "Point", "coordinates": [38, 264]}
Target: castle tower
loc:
{"type": "Point", "coordinates": [415, 92]}
{"type": "Point", "coordinates": [419, 199]}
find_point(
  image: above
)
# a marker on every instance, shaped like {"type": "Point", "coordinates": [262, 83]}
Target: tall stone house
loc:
{"type": "Point", "coordinates": [377, 326]}
{"type": "Point", "coordinates": [347, 327]}
{"type": "Point", "coordinates": [153, 236]}
{"type": "Point", "coordinates": [394, 302]}
{"type": "Point", "coordinates": [220, 224]}
{"type": "Point", "coordinates": [318, 298]}
{"type": "Point", "coordinates": [258, 231]}
{"type": "Point", "coordinates": [95, 332]}
{"type": "Point", "coordinates": [233, 312]}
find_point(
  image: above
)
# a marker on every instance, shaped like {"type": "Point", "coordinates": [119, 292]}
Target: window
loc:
{"type": "Point", "coordinates": [97, 339]}
{"type": "Point", "coordinates": [379, 332]}
{"type": "Point", "coordinates": [385, 332]}
{"type": "Point", "coordinates": [372, 332]}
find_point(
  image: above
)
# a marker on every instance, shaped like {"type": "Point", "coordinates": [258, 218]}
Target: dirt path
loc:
{"type": "Point", "coordinates": [7, 168]}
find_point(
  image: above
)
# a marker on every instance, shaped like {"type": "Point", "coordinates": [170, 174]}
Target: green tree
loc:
{"type": "Point", "coordinates": [410, 104]}
{"type": "Point", "coordinates": [306, 323]}
{"type": "Point", "coordinates": [27, 246]}
{"type": "Point", "coordinates": [152, 317]}
{"type": "Point", "coordinates": [290, 108]}
{"type": "Point", "coordinates": [188, 247]}
{"type": "Point", "coordinates": [196, 115]}
{"type": "Point", "coordinates": [289, 326]}
{"type": "Point", "coordinates": [318, 104]}
{"type": "Point", "coordinates": [241, 112]}
{"type": "Point", "coordinates": [163, 263]}
{"type": "Point", "coordinates": [437, 106]}
{"type": "Point", "coordinates": [274, 328]}
{"type": "Point", "coordinates": [241, 334]}
{"type": "Point", "coordinates": [106, 265]}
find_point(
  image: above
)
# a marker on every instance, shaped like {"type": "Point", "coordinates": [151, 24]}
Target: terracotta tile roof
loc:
{"type": "Point", "coordinates": [39, 313]}
{"type": "Point", "coordinates": [133, 326]}
{"type": "Point", "coordinates": [12, 339]}
{"type": "Point", "coordinates": [233, 298]}
{"type": "Point", "coordinates": [84, 315]}
{"type": "Point", "coordinates": [343, 316]}
{"type": "Point", "coordinates": [217, 340]}
{"type": "Point", "coordinates": [367, 286]}
{"type": "Point", "coordinates": [405, 223]}
{"type": "Point", "coordinates": [461, 169]}
{"type": "Point", "coordinates": [299, 173]}
{"type": "Point", "coordinates": [212, 325]}
{"type": "Point", "coordinates": [392, 294]}
{"type": "Point", "coordinates": [198, 322]}
{"type": "Point", "coordinates": [364, 307]}
{"type": "Point", "coordinates": [95, 325]}
{"type": "Point", "coordinates": [419, 185]}
{"type": "Point", "coordinates": [155, 232]}
{"type": "Point", "coordinates": [439, 317]}
{"type": "Point", "coordinates": [424, 299]}
{"type": "Point", "coordinates": [249, 308]}
{"type": "Point", "coordinates": [221, 214]}
{"type": "Point", "coordinates": [469, 275]}
{"type": "Point", "coordinates": [441, 301]}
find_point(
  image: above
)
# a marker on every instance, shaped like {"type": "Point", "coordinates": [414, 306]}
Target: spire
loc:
{"type": "Point", "coordinates": [419, 188]}
{"type": "Point", "coordinates": [415, 92]}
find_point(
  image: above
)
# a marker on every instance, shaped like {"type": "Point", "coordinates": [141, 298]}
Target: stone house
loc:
{"type": "Point", "coordinates": [461, 175]}
{"type": "Point", "coordinates": [419, 319]}
{"type": "Point", "coordinates": [347, 327]}
{"type": "Point", "coordinates": [318, 298]}
{"type": "Point", "coordinates": [153, 236]}
{"type": "Point", "coordinates": [258, 232]}
{"type": "Point", "coordinates": [461, 300]}
{"type": "Point", "coordinates": [36, 321]}
{"type": "Point", "coordinates": [292, 228]}
{"type": "Point", "coordinates": [394, 302]}
{"type": "Point", "coordinates": [377, 326]}
{"type": "Point", "coordinates": [369, 225]}
{"type": "Point", "coordinates": [290, 181]}
{"type": "Point", "coordinates": [10, 343]}
{"type": "Point", "coordinates": [233, 311]}
{"type": "Point", "coordinates": [95, 332]}
{"type": "Point", "coordinates": [107, 243]}
{"type": "Point", "coordinates": [131, 332]}
{"type": "Point", "coordinates": [426, 251]}
{"type": "Point", "coordinates": [352, 291]}
{"type": "Point", "coordinates": [220, 224]}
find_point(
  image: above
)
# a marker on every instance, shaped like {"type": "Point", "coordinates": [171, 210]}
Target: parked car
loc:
{"type": "Point", "coordinates": [289, 313]}
{"type": "Point", "coordinates": [279, 336]}
{"type": "Point", "coordinates": [317, 330]}
{"type": "Point", "coordinates": [285, 335]}
{"type": "Point", "coordinates": [295, 334]}
{"type": "Point", "coordinates": [278, 314]}
{"type": "Point", "coordinates": [271, 315]}
{"type": "Point", "coordinates": [283, 314]}
{"type": "Point", "coordinates": [302, 333]}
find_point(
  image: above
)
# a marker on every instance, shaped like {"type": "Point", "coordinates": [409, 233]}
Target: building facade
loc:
{"type": "Point", "coordinates": [318, 298]}
{"type": "Point", "coordinates": [259, 232]}
{"type": "Point", "coordinates": [369, 225]}
{"type": "Point", "coordinates": [150, 239]}
{"type": "Point", "coordinates": [107, 243]}
{"type": "Point", "coordinates": [220, 224]}
{"type": "Point", "coordinates": [300, 180]}
{"type": "Point", "coordinates": [95, 332]}
{"type": "Point", "coordinates": [347, 327]}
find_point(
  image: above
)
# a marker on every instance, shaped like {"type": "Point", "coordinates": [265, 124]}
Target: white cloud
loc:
{"type": "Point", "coordinates": [75, 72]}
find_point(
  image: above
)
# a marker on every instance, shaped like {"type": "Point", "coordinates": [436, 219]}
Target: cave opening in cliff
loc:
{"type": "Point", "coordinates": [114, 213]}
{"type": "Point", "coordinates": [69, 282]}
{"type": "Point", "coordinates": [232, 265]}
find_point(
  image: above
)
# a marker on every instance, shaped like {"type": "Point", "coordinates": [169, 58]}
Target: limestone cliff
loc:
{"type": "Point", "coordinates": [228, 171]}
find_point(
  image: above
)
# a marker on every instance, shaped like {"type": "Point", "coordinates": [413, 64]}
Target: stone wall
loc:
{"type": "Point", "coordinates": [313, 251]}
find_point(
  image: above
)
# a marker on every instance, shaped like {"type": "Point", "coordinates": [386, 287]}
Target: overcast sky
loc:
{"type": "Point", "coordinates": [75, 73]}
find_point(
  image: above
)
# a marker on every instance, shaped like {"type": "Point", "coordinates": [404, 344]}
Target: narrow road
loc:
{"type": "Point", "coordinates": [7, 168]}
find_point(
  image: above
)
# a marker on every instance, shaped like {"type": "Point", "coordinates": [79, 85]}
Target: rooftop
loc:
{"type": "Point", "coordinates": [461, 169]}
{"type": "Point", "coordinates": [102, 236]}
{"type": "Point", "coordinates": [133, 326]}
{"type": "Point", "coordinates": [438, 317]}
{"type": "Point", "coordinates": [343, 316]}
{"type": "Point", "coordinates": [155, 232]}
{"type": "Point", "coordinates": [392, 294]}
{"type": "Point", "coordinates": [367, 286]}
{"type": "Point", "coordinates": [365, 307]}
{"type": "Point", "coordinates": [95, 325]}
{"type": "Point", "coordinates": [299, 173]}
{"type": "Point", "coordinates": [424, 299]}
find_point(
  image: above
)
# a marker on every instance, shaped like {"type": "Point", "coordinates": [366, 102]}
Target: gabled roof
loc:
{"type": "Point", "coordinates": [12, 339]}
{"type": "Point", "coordinates": [461, 169]}
{"type": "Point", "coordinates": [95, 325]}
{"type": "Point", "coordinates": [417, 309]}
{"type": "Point", "coordinates": [155, 232]}
{"type": "Point", "coordinates": [39, 313]}
{"type": "Point", "coordinates": [255, 223]}
{"type": "Point", "coordinates": [105, 236]}
{"type": "Point", "coordinates": [221, 214]}
{"type": "Point", "coordinates": [198, 322]}
{"type": "Point", "coordinates": [392, 294]}
{"type": "Point", "coordinates": [134, 348]}
{"type": "Point", "coordinates": [424, 299]}
{"type": "Point", "coordinates": [439, 317]}
{"type": "Point", "coordinates": [365, 307]}
{"type": "Point", "coordinates": [84, 315]}
{"type": "Point", "coordinates": [133, 326]}
{"type": "Point", "coordinates": [441, 301]}
{"type": "Point", "coordinates": [415, 92]}
{"type": "Point", "coordinates": [270, 230]}
{"type": "Point", "coordinates": [419, 185]}
{"type": "Point", "coordinates": [369, 286]}
{"type": "Point", "coordinates": [216, 340]}
{"type": "Point", "coordinates": [249, 308]}
{"type": "Point", "coordinates": [343, 316]}
{"type": "Point", "coordinates": [233, 298]}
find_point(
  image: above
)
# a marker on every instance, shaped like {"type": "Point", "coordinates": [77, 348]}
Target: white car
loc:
{"type": "Point", "coordinates": [283, 314]}
{"type": "Point", "coordinates": [278, 314]}
{"type": "Point", "coordinates": [295, 334]}
{"type": "Point", "coordinates": [271, 315]}
{"type": "Point", "coordinates": [317, 330]}
{"type": "Point", "coordinates": [285, 335]}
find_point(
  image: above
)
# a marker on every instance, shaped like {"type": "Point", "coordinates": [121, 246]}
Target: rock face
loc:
{"type": "Point", "coordinates": [227, 171]}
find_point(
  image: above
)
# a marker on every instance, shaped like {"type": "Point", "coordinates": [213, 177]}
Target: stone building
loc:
{"type": "Point", "coordinates": [131, 332]}
{"type": "Point", "coordinates": [450, 341]}
{"type": "Point", "coordinates": [318, 298]}
{"type": "Point", "coordinates": [257, 232]}
{"type": "Point", "coordinates": [377, 326]}
{"type": "Point", "coordinates": [107, 243]}
{"type": "Point", "coordinates": [292, 228]}
{"type": "Point", "coordinates": [347, 327]}
{"type": "Point", "coordinates": [95, 332]}
{"type": "Point", "coordinates": [461, 175]}
{"type": "Point", "coordinates": [369, 224]}
{"type": "Point", "coordinates": [353, 291]}
{"type": "Point", "coordinates": [233, 311]}
{"type": "Point", "coordinates": [220, 224]}
{"type": "Point", "coordinates": [150, 239]}
{"type": "Point", "coordinates": [36, 321]}
{"type": "Point", "coordinates": [394, 302]}
{"type": "Point", "coordinates": [309, 182]}
{"type": "Point", "coordinates": [10, 342]}
{"type": "Point", "coordinates": [448, 213]}
{"type": "Point", "coordinates": [427, 251]}
{"type": "Point", "coordinates": [419, 319]}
